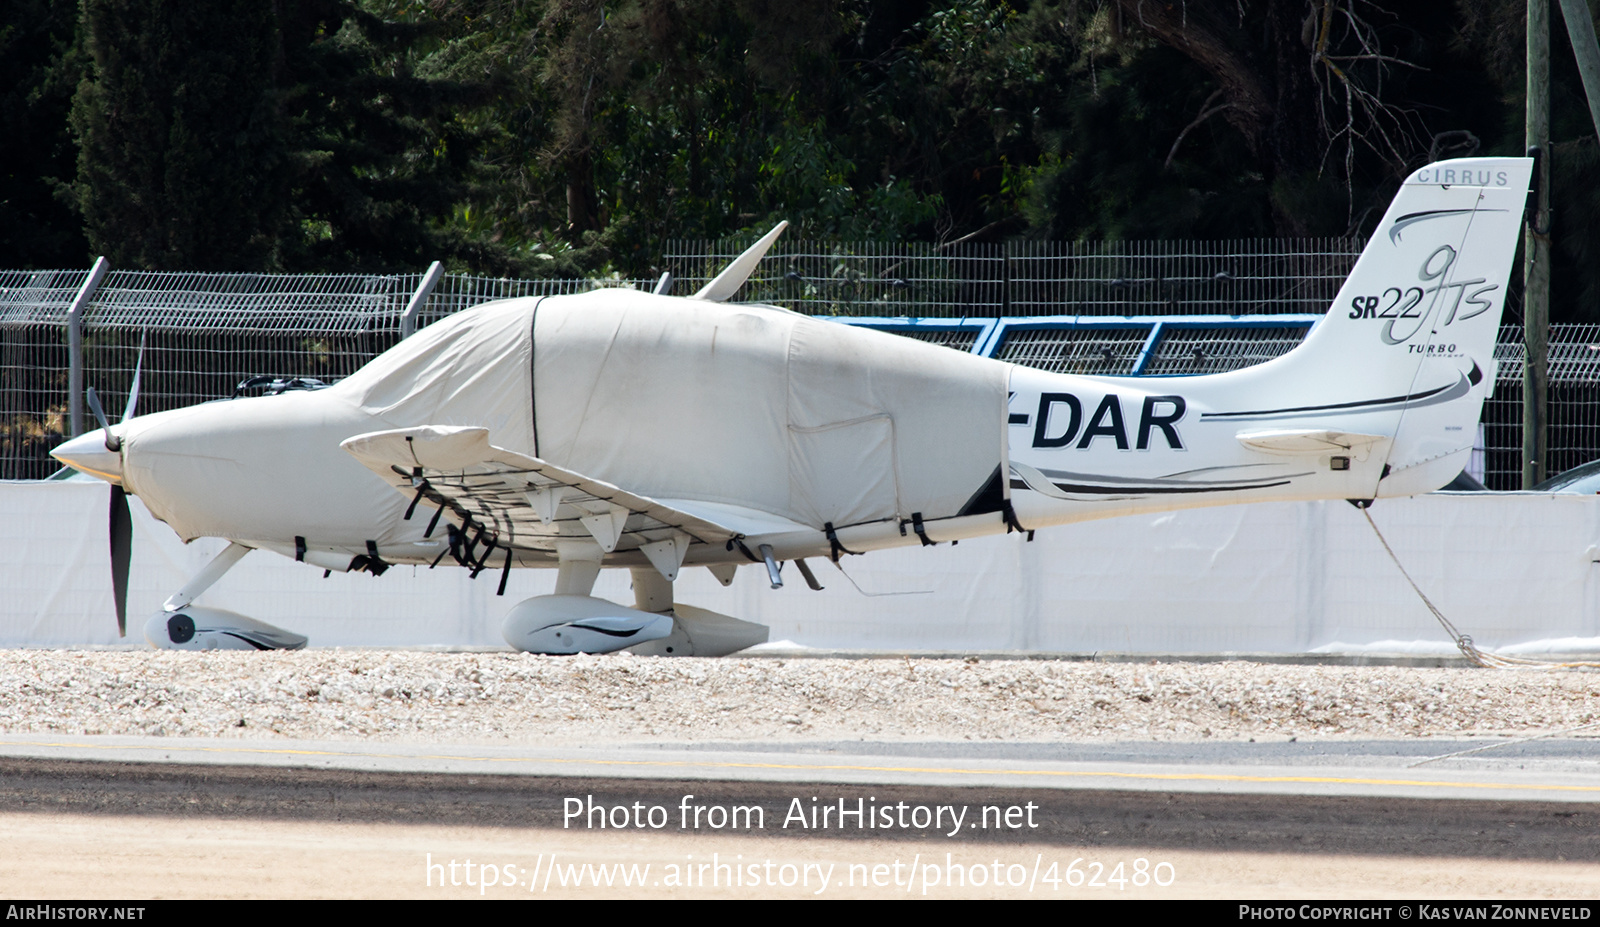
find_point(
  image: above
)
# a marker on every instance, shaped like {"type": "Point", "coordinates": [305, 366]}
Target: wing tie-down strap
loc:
{"type": "Point", "coordinates": [483, 560]}
{"type": "Point", "coordinates": [370, 561]}
{"type": "Point", "coordinates": [454, 548]}
{"type": "Point", "coordinates": [1012, 522]}
{"type": "Point", "coordinates": [836, 548]}
{"type": "Point", "coordinates": [505, 574]}
{"type": "Point", "coordinates": [447, 550]}
{"type": "Point", "coordinates": [422, 490]}
{"type": "Point", "coordinates": [739, 542]}
{"type": "Point", "coordinates": [469, 544]}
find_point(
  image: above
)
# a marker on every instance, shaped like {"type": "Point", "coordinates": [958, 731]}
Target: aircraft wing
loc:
{"type": "Point", "coordinates": [524, 503]}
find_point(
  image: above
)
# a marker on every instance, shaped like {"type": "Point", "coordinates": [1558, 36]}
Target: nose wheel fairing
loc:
{"type": "Point", "coordinates": [182, 625]}
{"type": "Point", "coordinates": [200, 628]}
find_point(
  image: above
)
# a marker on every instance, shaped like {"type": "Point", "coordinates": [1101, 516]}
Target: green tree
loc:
{"type": "Point", "coordinates": [1255, 117]}
{"type": "Point", "coordinates": [940, 98]}
{"type": "Point", "coordinates": [297, 135]}
{"type": "Point", "coordinates": [616, 125]}
{"type": "Point", "coordinates": [380, 158]}
{"type": "Point", "coordinates": [39, 69]}
{"type": "Point", "coordinates": [181, 165]}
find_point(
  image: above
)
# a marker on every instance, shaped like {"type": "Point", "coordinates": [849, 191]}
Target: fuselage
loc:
{"type": "Point", "coordinates": [1055, 448]}
{"type": "Point", "coordinates": [818, 438]}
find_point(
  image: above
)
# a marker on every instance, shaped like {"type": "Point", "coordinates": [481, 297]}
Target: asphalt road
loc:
{"type": "Point", "coordinates": [1089, 817]}
{"type": "Point", "coordinates": [1236, 820]}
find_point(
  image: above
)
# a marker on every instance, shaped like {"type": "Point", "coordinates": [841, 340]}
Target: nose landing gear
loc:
{"type": "Point", "coordinates": [181, 625]}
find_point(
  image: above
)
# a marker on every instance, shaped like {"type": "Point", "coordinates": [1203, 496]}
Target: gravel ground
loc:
{"type": "Point", "coordinates": [490, 697]}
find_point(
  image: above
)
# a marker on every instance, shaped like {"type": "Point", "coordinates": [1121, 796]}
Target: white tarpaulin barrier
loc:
{"type": "Point", "coordinates": [1508, 569]}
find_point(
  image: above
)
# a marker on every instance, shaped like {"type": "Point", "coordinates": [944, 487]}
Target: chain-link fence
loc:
{"type": "Point", "coordinates": [856, 278]}
{"type": "Point", "coordinates": [1131, 278]}
{"type": "Point", "coordinates": [34, 360]}
{"type": "Point", "coordinates": [200, 335]}
{"type": "Point", "coordinates": [1056, 306]}
{"type": "Point", "coordinates": [197, 337]}
{"type": "Point", "coordinates": [457, 292]}
{"type": "Point", "coordinates": [1573, 435]}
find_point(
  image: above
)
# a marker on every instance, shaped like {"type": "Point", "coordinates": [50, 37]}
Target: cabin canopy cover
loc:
{"type": "Point", "coordinates": [741, 405]}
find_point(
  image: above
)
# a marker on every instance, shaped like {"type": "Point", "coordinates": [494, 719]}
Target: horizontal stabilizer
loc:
{"type": "Point", "coordinates": [1311, 442]}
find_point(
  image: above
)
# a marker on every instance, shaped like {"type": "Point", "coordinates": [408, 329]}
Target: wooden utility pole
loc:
{"type": "Point", "coordinates": [1580, 29]}
{"type": "Point", "coordinates": [1536, 253]}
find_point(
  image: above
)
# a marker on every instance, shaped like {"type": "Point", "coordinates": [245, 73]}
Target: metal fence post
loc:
{"type": "Point", "coordinates": [1005, 278]}
{"type": "Point", "coordinates": [408, 320]}
{"type": "Point", "coordinates": [75, 342]}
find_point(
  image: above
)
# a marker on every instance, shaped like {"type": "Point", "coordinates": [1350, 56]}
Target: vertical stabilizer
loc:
{"type": "Point", "coordinates": [1407, 348]}
{"type": "Point", "coordinates": [1464, 292]}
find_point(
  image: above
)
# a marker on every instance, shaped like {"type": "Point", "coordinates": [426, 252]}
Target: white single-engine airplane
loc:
{"type": "Point", "coordinates": [626, 429]}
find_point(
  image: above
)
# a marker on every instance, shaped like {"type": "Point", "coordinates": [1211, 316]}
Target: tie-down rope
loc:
{"type": "Point", "coordinates": [1464, 641]}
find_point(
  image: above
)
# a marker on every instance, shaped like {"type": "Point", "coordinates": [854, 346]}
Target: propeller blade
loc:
{"type": "Point", "coordinates": [112, 443]}
{"type": "Point", "coordinates": [121, 554]}
{"type": "Point", "coordinates": [133, 393]}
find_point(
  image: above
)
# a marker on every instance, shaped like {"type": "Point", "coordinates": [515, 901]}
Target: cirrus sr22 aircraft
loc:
{"type": "Point", "coordinates": [632, 430]}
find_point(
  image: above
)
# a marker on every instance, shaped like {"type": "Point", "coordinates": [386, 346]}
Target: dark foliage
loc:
{"type": "Point", "coordinates": [181, 164]}
{"type": "Point", "coordinates": [39, 70]}
{"type": "Point", "coordinates": [560, 137]}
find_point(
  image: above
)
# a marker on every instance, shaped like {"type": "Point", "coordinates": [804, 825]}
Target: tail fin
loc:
{"type": "Point", "coordinates": [1407, 349]}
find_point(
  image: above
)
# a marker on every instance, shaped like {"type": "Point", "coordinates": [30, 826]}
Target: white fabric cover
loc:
{"type": "Point", "coordinates": [673, 399]}
{"type": "Point", "coordinates": [759, 407]}
{"type": "Point", "coordinates": [470, 369]}
{"type": "Point", "coordinates": [474, 368]}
